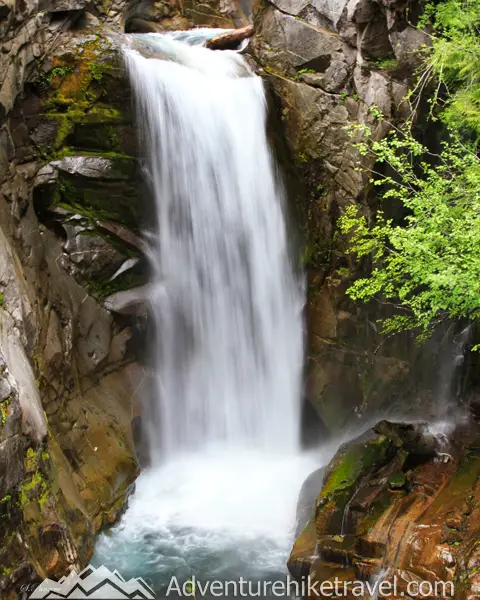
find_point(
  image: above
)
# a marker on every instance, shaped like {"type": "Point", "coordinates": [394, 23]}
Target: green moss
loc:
{"type": "Point", "coordinates": [35, 489]}
{"type": "Point", "coordinates": [127, 281]}
{"type": "Point", "coordinates": [31, 460]}
{"type": "Point", "coordinates": [302, 157]}
{"type": "Point", "coordinates": [302, 71]}
{"type": "Point", "coordinates": [4, 409]}
{"type": "Point", "coordinates": [354, 462]}
{"type": "Point", "coordinates": [5, 571]}
{"type": "Point", "coordinates": [1, 300]}
{"type": "Point", "coordinates": [397, 480]}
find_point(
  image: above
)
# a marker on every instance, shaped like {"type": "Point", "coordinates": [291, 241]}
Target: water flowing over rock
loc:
{"type": "Point", "coordinates": [227, 304]}
{"type": "Point", "coordinates": [398, 502]}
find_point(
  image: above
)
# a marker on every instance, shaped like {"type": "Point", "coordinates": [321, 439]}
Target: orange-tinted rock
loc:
{"type": "Point", "coordinates": [426, 532]}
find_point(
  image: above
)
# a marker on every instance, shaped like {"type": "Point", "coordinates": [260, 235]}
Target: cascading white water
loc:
{"type": "Point", "coordinates": [219, 501]}
{"type": "Point", "coordinates": [226, 302]}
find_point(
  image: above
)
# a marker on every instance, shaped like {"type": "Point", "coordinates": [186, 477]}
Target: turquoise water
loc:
{"type": "Point", "coordinates": [216, 516]}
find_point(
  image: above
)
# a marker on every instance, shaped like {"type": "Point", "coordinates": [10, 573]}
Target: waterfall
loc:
{"type": "Point", "coordinates": [226, 302]}
{"type": "Point", "coordinates": [219, 499]}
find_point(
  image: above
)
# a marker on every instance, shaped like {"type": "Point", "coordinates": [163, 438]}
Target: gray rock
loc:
{"type": "Point", "coordinates": [92, 256]}
{"type": "Point", "coordinates": [118, 347]}
{"type": "Point", "coordinates": [292, 7]}
{"type": "Point", "coordinates": [406, 45]}
{"type": "Point", "coordinates": [5, 388]}
{"type": "Point", "coordinates": [130, 302]}
{"type": "Point", "coordinates": [95, 328]}
{"type": "Point", "coordinates": [12, 466]}
{"type": "Point", "coordinates": [63, 5]}
{"type": "Point", "coordinates": [298, 44]}
{"type": "Point", "coordinates": [93, 167]}
{"type": "Point", "coordinates": [306, 500]}
{"type": "Point", "coordinates": [331, 9]}
{"type": "Point", "coordinates": [374, 89]}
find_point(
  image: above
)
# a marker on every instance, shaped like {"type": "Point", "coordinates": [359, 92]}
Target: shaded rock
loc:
{"type": "Point", "coordinates": [130, 302]}
{"type": "Point", "coordinates": [12, 468]}
{"type": "Point", "coordinates": [307, 499]}
{"type": "Point", "coordinates": [334, 79]}
{"type": "Point", "coordinates": [375, 40]}
{"type": "Point", "coordinates": [407, 45]}
{"type": "Point", "coordinates": [123, 233]}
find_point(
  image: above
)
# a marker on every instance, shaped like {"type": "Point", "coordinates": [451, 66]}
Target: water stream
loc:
{"type": "Point", "coordinates": [219, 499]}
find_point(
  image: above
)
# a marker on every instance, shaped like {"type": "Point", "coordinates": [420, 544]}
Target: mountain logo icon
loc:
{"type": "Point", "coordinates": [96, 584]}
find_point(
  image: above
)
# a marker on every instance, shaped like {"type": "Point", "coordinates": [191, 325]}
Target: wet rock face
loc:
{"type": "Point", "coordinates": [391, 504]}
{"type": "Point", "coordinates": [70, 220]}
{"type": "Point", "coordinates": [332, 66]}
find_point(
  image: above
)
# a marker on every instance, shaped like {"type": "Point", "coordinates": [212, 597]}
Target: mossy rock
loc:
{"type": "Point", "coordinates": [397, 480]}
{"type": "Point", "coordinates": [98, 186]}
{"type": "Point", "coordinates": [85, 96]}
{"type": "Point", "coordinates": [352, 463]}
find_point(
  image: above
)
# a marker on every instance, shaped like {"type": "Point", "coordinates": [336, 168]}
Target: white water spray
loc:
{"type": "Point", "coordinates": [227, 305]}
{"type": "Point", "coordinates": [219, 501]}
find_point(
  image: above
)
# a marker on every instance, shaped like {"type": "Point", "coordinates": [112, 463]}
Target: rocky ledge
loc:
{"type": "Point", "coordinates": [401, 500]}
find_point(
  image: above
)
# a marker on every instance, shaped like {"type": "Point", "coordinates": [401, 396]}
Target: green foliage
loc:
{"type": "Point", "coordinates": [428, 265]}
{"type": "Point", "coordinates": [386, 64]}
{"type": "Point", "coordinates": [454, 60]}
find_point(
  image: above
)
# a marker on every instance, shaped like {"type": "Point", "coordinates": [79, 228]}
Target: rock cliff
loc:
{"type": "Point", "coordinates": [333, 67]}
{"type": "Point", "coordinates": [69, 221]}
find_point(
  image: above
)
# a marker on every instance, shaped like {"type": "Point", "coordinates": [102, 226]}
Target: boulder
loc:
{"type": "Point", "coordinates": [388, 504]}
{"type": "Point", "coordinates": [294, 44]}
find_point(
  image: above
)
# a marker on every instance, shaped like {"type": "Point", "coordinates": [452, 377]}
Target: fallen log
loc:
{"type": "Point", "coordinates": [230, 39]}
